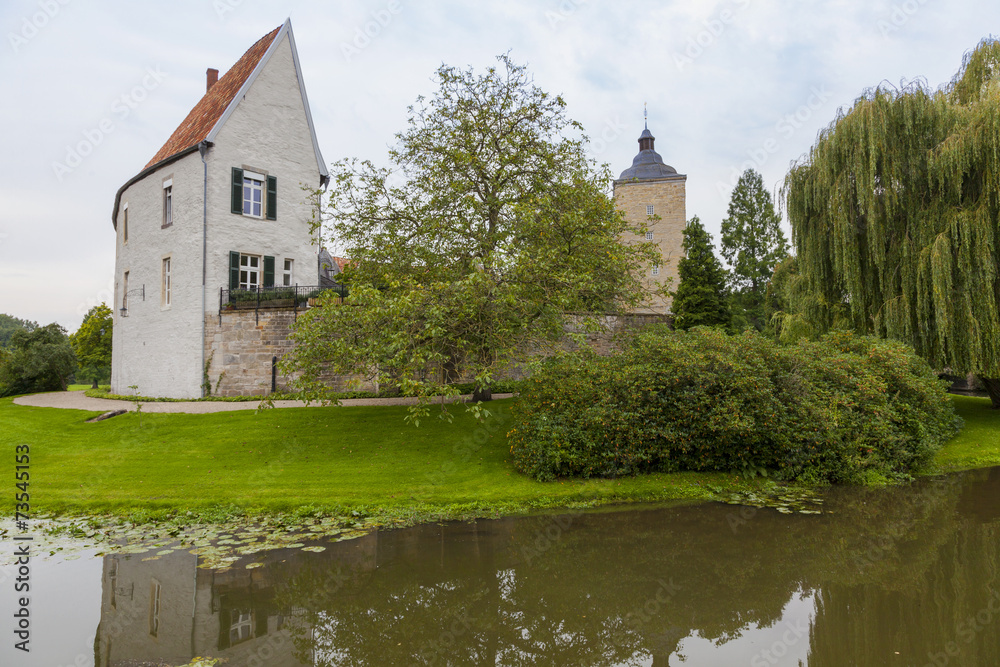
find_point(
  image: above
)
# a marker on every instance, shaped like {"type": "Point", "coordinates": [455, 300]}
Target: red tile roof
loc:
{"type": "Point", "coordinates": [342, 262]}
{"type": "Point", "coordinates": [207, 112]}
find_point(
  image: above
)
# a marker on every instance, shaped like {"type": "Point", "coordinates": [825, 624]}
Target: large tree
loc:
{"type": "Point", "coordinates": [701, 297]}
{"type": "Point", "coordinates": [753, 244]}
{"type": "Point", "coordinates": [9, 324]}
{"type": "Point", "coordinates": [38, 360]}
{"type": "Point", "coordinates": [895, 215]}
{"type": "Point", "coordinates": [92, 345]}
{"type": "Point", "coordinates": [489, 230]}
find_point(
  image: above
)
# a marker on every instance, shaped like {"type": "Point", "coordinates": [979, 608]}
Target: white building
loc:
{"type": "Point", "coordinates": [220, 206]}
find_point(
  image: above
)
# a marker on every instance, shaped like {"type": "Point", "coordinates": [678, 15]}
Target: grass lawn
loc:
{"type": "Point", "coordinates": [332, 459]}
{"type": "Point", "coordinates": [978, 443]}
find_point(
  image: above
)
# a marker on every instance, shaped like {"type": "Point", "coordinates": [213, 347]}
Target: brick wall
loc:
{"type": "Point", "coordinates": [667, 197]}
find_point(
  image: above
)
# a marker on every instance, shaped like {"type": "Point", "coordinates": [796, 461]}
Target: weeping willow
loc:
{"type": "Point", "coordinates": [894, 216]}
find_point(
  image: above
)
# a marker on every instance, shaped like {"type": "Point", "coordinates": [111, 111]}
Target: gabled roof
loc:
{"type": "Point", "coordinates": [209, 110]}
{"type": "Point", "coordinates": [206, 119]}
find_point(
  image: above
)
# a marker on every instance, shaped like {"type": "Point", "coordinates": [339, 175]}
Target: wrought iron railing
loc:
{"type": "Point", "coordinates": [296, 297]}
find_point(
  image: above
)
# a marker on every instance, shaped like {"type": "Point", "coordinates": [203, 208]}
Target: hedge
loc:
{"type": "Point", "coordinates": [843, 409]}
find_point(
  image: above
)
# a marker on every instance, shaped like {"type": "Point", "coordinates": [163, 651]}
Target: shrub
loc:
{"type": "Point", "coordinates": [843, 409]}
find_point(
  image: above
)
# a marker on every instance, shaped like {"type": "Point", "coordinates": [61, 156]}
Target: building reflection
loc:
{"type": "Point", "coordinates": [884, 576]}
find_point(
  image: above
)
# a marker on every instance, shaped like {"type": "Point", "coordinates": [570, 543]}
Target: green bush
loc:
{"type": "Point", "coordinates": [845, 409]}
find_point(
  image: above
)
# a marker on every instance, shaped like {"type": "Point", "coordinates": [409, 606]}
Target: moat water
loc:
{"type": "Point", "coordinates": [906, 576]}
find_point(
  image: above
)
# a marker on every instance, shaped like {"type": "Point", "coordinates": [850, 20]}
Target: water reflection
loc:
{"type": "Point", "coordinates": [905, 576]}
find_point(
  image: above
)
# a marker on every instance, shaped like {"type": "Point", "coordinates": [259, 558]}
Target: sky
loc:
{"type": "Point", "coordinates": [92, 89]}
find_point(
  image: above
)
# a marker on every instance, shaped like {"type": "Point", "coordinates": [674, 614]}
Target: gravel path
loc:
{"type": "Point", "coordinates": [77, 400]}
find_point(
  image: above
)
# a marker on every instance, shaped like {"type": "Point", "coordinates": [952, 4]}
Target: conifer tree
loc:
{"type": "Point", "coordinates": [753, 244]}
{"type": "Point", "coordinates": [895, 216]}
{"type": "Point", "coordinates": [701, 297]}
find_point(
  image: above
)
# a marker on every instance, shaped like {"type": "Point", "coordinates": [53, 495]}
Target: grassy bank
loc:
{"type": "Point", "coordinates": [338, 459]}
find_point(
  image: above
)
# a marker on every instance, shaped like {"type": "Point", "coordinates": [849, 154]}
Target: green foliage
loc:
{"type": "Point", "coordinates": [38, 360]}
{"type": "Point", "coordinates": [490, 229]}
{"type": "Point", "coordinates": [92, 345]}
{"type": "Point", "coordinates": [701, 298]}
{"type": "Point", "coordinates": [9, 324]}
{"type": "Point", "coordinates": [894, 217]}
{"type": "Point", "coordinates": [842, 409]}
{"type": "Point", "coordinates": [753, 244]}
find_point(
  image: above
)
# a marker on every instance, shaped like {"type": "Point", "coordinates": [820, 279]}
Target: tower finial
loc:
{"type": "Point", "coordinates": [645, 116]}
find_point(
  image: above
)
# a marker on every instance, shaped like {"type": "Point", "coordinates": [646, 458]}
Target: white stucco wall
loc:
{"type": "Point", "coordinates": [158, 348]}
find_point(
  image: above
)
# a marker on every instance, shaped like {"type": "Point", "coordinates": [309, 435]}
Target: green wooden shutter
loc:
{"type": "Point", "coordinates": [272, 197]}
{"type": "Point", "coordinates": [268, 271]}
{"type": "Point", "coordinates": [234, 270]}
{"type": "Point", "coordinates": [237, 191]}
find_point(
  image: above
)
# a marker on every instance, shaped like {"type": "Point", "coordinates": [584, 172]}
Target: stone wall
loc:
{"type": "Point", "coordinates": [667, 197]}
{"type": "Point", "coordinates": [241, 344]}
{"type": "Point", "coordinates": [240, 347]}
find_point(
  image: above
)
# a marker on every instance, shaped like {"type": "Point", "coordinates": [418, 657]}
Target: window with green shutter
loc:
{"type": "Point", "coordinates": [234, 270]}
{"type": "Point", "coordinates": [268, 271]}
{"type": "Point", "coordinates": [272, 197]}
{"type": "Point", "coordinates": [237, 203]}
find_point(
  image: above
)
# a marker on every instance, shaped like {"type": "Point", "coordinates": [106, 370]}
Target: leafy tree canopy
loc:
{"type": "Point", "coordinates": [92, 344]}
{"type": "Point", "coordinates": [895, 216]}
{"type": "Point", "coordinates": [701, 297]}
{"type": "Point", "coordinates": [9, 324]}
{"type": "Point", "coordinates": [753, 244]}
{"type": "Point", "coordinates": [38, 360]}
{"type": "Point", "coordinates": [491, 226]}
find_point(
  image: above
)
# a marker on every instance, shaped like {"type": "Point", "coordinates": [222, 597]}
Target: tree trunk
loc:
{"type": "Point", "coordinates": [992, 386]}
{"type": "Point", "coordinates": [94, 386]}
{"type": "Point", "coordinates": [482, 394]}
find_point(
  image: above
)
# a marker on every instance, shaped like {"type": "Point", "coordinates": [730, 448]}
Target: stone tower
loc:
{"type": "Point", "coordinates": [653, 192]}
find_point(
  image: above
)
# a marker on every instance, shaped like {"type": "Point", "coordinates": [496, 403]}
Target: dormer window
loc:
{"type": "Point", "coordinates": [255, 194]}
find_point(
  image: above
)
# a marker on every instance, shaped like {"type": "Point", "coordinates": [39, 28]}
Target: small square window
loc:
{"type": "Point", "coordinates": [656, 270]}
{"type": "Point", "coordinates": [649, 209]}
{"type": "Point", "coordinates": [649, 236]}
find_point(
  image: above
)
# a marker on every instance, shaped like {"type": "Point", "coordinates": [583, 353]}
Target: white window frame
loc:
{"type": "Point", "coordinates": [656, 269]}
{"type": "Point", "coordinates": [166, 266]}
{"type": "Point", "coordinates": [248, 268]}
{"type": "Point", "coordinates": [125, 224]}
{"type": "Point", "coordinates": [168, 202]}
{"type": "Point", "coordinates": [649, 236]}
{"type": "Point", "coordinates": [154, 607]}
{"type": "Point", "coordinates": [240, 621]}
{"type": "Point", "coordinates": [287, 268]}
{"type": "Point", "coordinates": [649, 209]}
{"type": "Point", "coordinates": [254, 183]}
{"type": "Point", "coordinates": [125, 291]}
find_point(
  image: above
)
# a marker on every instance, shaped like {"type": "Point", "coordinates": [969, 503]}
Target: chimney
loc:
{"type": "Point", "coordinates": [213, 78]}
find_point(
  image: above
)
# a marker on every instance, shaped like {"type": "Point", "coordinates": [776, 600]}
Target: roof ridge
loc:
{"type": "Point", "coordinates": [202, 118]}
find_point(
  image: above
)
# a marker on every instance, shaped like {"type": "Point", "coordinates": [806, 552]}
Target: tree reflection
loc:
{"type": "Point", "coordinates": [624, 587]}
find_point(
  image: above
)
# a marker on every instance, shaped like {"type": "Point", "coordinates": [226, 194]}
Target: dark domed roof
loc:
{"type": "Point", "coordinates": [648, 163]}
